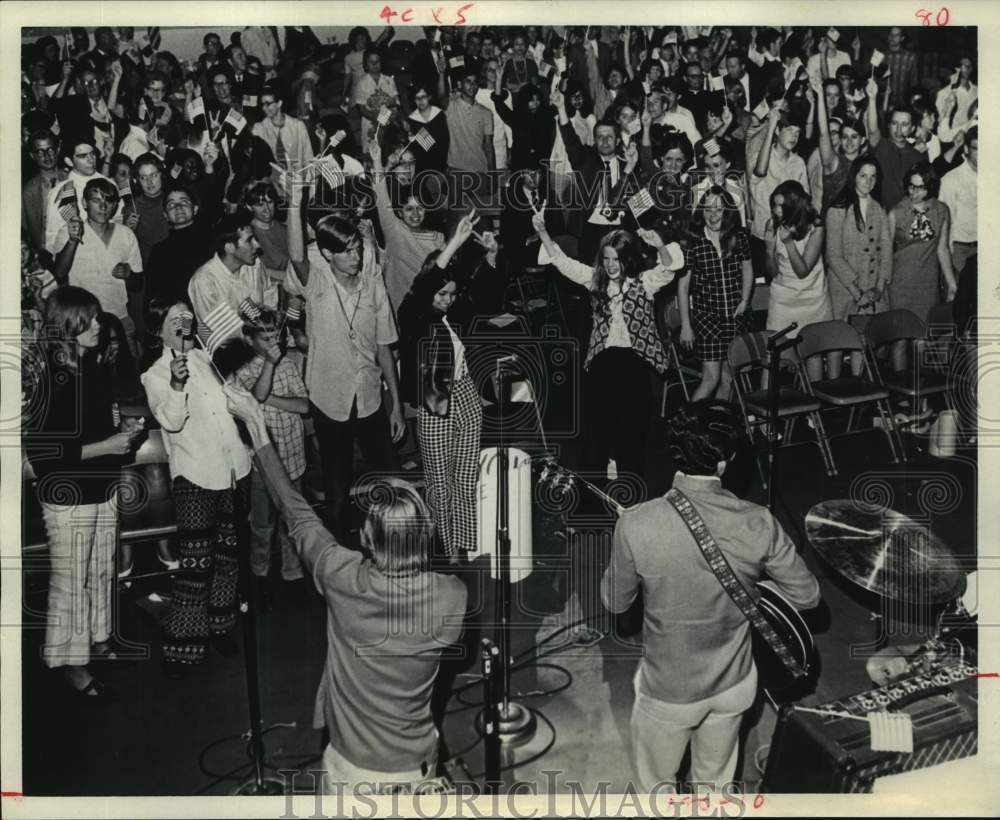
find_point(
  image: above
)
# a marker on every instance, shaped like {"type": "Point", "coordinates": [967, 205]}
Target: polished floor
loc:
{"type": "Point", "coordinates": [187, 737]}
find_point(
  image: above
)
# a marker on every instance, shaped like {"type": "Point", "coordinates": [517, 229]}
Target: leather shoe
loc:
{"type": "Point", "coordinates": [94, 692]}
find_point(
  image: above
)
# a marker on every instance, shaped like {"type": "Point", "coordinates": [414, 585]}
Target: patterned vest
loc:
{"type": "Point", "coordinates": [637, 311]}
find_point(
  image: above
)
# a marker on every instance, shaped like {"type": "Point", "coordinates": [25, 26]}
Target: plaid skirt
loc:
{"type": "Point", "coordinates": [714, 331]}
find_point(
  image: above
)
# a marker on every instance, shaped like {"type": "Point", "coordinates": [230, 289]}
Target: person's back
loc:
{"type": "Point", "coordinates": [697, 675]}
{"type": "Point", "coordinates": [385, 635]}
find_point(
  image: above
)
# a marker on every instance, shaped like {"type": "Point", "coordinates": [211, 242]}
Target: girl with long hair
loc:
{"type": "Point", "coordinates": [798, 291]}
{"type": "Point", "coordinates": [407, 241]}
{"type": "Point", "coordinates": [78, 487]}
{"type": "Point", "coordinates": [531, 122]}
{"type": "Point", "coordinates": [580, 112]}
{"type": "Point", "coordinates": [435, 377]}
{"type": "Point", "coordinates": [209, 468]}
{"type": "Point", "coordinates": [859, 244]}
{"type": "Point", "coordinates": [714, 296]}
{"type": "Point", "coordinates": [624, 344]}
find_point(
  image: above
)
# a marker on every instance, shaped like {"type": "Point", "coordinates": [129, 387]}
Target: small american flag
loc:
{"type": "Point", "coordinates": [184, 322]}
{"type": "Point", "coordinates": [69, 208]}
{"type": "Point", "coordinates": [716, 83]}
{"type": "Point", "coordinates": [640, 203]}
{"type": "Point", "coordinates": [236, 121]}
{"type": "Point", "coordinates": [711, 147]}
{"type": "Point", "coordinates": [424, 139]}
{"type": "Point", "coordinates": [223, 323]}
{"type": "Point", "coordinates": [195, 109]}
{"type": "Point", "coordinates": [293, 314]}
{"type": "Point", "coordinates": [125, 194]}
{"type": "Point", "coordinates": [877, 58]}
{"type": "Point", "coordinates": [333, 175]}
{"type": "Point", "coordinates": [337, 138]}
{"type": "Point", "coordinates": [116, 415]}
{"type": "Point", "coordinates": [249, 310]}
{"type": "Point", "coordinates": [384, 116]}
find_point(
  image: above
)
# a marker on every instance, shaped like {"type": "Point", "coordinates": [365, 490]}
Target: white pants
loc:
{"type": "Point", "coordinates": [661, 732]}
{"type": "Point", "coordinates": [82, 541]}
{"type": "Point", "coordinates": [342, 774]}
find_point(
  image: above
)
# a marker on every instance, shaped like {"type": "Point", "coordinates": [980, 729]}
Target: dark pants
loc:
{"type": "Point", "coordinates": [617, 409]}
{"type": "Point", "coordinates": [758, 257]}
{"type": "Point", "coordinates": [336, 452]}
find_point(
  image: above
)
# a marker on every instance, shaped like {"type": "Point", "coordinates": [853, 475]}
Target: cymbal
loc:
{"type": "Point", "coordinates": [884, 552]}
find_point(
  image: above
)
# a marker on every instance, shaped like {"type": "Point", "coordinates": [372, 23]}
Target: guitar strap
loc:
{"type": "Point", "coordinates": [730, 583]}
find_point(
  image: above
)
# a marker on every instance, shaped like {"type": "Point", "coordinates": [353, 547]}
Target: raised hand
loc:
{"type": "Point", "coordinates": [466, 226]}
{"type": "Point", "coordinates": [538, 222]}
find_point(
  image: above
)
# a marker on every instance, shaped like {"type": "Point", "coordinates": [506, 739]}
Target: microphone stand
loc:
{"type": "Point", "coordinates": [258, 784]}
{"type": "Point", "coordinates": [516, 724]}
{"type": "Point", "coordinates": [775, 346]}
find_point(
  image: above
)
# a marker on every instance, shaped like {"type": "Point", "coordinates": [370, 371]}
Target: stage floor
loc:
{"type": "Point", "coordinates": [184, 737]}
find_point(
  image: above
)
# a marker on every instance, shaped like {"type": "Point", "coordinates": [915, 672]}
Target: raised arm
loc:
{"type": "Point", "coordinates": [764, 154]}
{"type": "Point", "coordinates": [804, 262]}
{"type": "Point", "coordinates": [871, 114]}
{"type": "Point", "coordinates": [570, 268]}
{"type": "Point", "coordinates": [296, 241]}
{"type": "Point", "coordinates": [944, 258]}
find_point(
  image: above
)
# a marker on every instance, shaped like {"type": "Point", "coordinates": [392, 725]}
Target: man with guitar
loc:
{"type": "Point", "coordinates": [698, 676]}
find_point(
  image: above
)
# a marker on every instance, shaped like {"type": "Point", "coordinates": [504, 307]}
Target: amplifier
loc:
{"type": "Point", "coordinates": [813, 753]}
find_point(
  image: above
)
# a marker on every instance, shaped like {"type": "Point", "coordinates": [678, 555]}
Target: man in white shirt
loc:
{"type": "Point", "coordinates": [100, 256]}
{"type": "Point", "coordinates": [84, 158]}
{"type": "Point", "coordinates": [287, 137]}
{"type": "Point", "coordinates": [959, 189]}
{"type": "Point", "coordinates": [260, 42]}
{"type": "Point", "coordinates": [954, 101]}
{"type": "Point", "coordinates": [828, 59]}
{"type": "Point", "coordinates": [666, 112]}
{"type": "Point", "coordinates": [373, 91]}
{"type": "Point", "coordinates": [234, 273]}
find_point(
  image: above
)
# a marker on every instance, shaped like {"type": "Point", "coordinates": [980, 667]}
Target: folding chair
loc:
{"type": "Point", "coordinates": [847, 391]}
{"type": "Point", "coordinates": [941, 337]}
{"type": "Point", "coordinates": [687, 366]}
{"type": "Point", "coordinates": [916, 381]}
{"type": "Point", "coordinates": [748, 359]}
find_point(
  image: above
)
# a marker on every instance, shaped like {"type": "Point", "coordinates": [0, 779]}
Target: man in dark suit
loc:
{"type": "Point", "coordinates": [603, 180]}
{"type": "Point", "coordinates": [44, 152]}
{"type": "Point", "coordinates": [104, 52]}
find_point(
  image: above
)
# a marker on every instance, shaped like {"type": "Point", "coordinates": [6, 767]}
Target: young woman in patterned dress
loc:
{"type": "Point", "coordinates": [714, 296]}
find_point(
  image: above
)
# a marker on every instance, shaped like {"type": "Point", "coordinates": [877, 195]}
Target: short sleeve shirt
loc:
{"type": "Point", "coordinates": [468, 125]}
{"type": "Point", "coordinates": [94, 262]}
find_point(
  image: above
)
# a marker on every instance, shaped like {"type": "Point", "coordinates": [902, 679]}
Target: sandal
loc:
{"type": "Point", "coordinates": [110, 651]}
{"type": "Point", "coordinates": [93, 692]}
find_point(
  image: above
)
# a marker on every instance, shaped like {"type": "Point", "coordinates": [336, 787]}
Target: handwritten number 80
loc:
{"type": "Point", "coordinates": [942, 17]}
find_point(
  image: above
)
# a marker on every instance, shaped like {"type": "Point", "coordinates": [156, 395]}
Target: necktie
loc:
{"type": "Point", "coordinates": [606, 189]}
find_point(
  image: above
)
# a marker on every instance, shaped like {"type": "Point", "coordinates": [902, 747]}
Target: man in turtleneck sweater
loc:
{"type": "Point", "coordinates": [147, 171]}
{"type": "Point", "coordinates": [175, 258]}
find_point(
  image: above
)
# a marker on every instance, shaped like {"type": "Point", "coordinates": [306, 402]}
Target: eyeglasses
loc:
{"type": "Point", "coordinates": [258, 199]}
{"type": "Point", "coordinates": [917, 187]}
{"type": "Point", "coordinates": [177, 203]}
{"type": "Point", "coordinates": [45, 151]}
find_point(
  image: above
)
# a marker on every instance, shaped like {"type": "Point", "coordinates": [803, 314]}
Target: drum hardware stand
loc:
{"type": "Point", "coordinates": [516, 724]}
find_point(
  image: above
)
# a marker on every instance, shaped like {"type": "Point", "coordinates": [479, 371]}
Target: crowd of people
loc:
{"type": "Point", "coordinates": [246, 216]}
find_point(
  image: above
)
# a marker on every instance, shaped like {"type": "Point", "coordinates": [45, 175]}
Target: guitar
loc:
{"type": "Point", "coordinates": [773, 677]}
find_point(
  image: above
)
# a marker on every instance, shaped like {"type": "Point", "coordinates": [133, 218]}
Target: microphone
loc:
{"type": "Point", "coordinates": [776, 337]}
{"type": "Point", "coordinates": [505, 359]}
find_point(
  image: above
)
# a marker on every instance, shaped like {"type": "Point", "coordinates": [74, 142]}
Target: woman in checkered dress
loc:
{"type": "Point", "coordinates": [715, 295]}
{"type": "Point", "coordinates": [435, 377]}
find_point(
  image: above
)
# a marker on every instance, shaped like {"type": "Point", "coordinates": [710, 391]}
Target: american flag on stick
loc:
{"type": "Point", "coordinates": [249, 310]}
{"type": "Point", "coordinates": [235, 120]}
{"type": "Point", "coordinates": [332, 173]}
{"type": "Point", "coordinates": [69, 207]}
{"type": "Point", "coordinates": [384, 116]}
{"type": "Point", "coordinates": [222, 323]}
{"type": "Point", "coordinates": [424, 139]}
{"type": "Point", "coordinates": [640, 203]}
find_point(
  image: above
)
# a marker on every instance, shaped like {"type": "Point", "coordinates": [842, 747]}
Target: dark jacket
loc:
{"type": "Point", "coordinates": [426, 352]}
